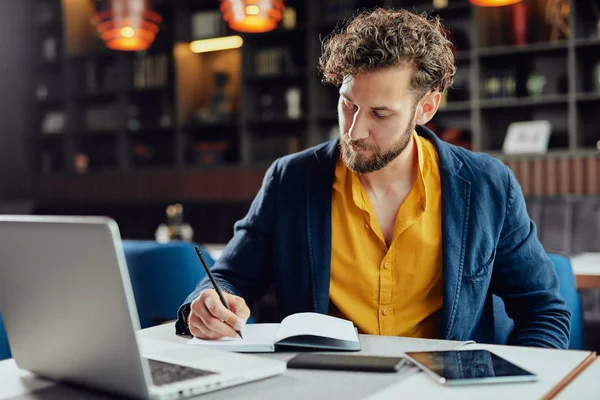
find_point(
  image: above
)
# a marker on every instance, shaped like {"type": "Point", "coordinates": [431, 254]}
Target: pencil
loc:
{"type": "Point", "coordinates": [214, 282]}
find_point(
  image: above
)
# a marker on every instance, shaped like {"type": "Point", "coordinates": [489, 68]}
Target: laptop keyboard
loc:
{"type": "Point", "coordinates": [164, 373]}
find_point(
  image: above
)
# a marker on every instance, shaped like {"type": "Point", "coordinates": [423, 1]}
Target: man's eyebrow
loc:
{"type": "Point", "coordinates": [381, 108]}
{"type": "Point", "coordinates": [378, 108]}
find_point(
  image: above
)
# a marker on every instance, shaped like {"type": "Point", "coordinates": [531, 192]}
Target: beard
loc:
{"type": "Point", "coordinates": [379, 158]}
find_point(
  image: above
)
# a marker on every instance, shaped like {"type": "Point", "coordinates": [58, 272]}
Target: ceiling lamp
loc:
{"type": "Point", "coordinates": [252, 16]}
{"type": "Point", "coordinates": [128, 25]}
{"type": "Point", "coordinates": [494, 3]}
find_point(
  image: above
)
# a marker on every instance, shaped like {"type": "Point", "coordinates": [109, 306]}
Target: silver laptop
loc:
{"type": "Point", "coordinates": [69, 311]}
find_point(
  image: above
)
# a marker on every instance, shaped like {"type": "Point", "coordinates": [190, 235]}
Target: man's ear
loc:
{"type": "Point", "coordinates": [427, 107]}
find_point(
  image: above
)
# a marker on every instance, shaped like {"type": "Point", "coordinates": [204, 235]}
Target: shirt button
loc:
{"type": "Point", "coordinates": [386, 311]}
{"type": "Point", "coordinates": [386, 265]}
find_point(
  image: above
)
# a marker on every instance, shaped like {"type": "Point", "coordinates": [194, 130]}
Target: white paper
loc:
{"type": "Point", "coordinates": [257, 338]}
{"type": "Point", "coordinates": [263, 337]}
{"type": "Point", "coordinates": [316, 325]}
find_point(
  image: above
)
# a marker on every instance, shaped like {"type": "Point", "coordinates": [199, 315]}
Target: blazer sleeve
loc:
{"type": "Point", "coordinates": [245, 267]}
{"type": "Point", "coordinates": [525, 278]}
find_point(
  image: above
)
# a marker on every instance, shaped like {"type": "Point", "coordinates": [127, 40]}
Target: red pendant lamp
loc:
{"type": "Point", "coordinates": [252, 16]}
{"type": "Point", "coordinates": [494, 3]}
{"type": "Point", "coordinates": [127, 25]}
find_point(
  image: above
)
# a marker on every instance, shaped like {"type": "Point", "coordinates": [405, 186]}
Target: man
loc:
{"type": "Point", "coordinates": [388, 226]}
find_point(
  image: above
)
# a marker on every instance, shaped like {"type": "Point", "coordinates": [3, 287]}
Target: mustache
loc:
{"type": "Point", "coordinates": [361, 144]}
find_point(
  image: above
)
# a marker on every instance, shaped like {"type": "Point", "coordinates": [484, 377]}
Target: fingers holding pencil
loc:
{"type": "Point", "coordinates": [210, 319]}
{"type": "Point", "coordinates": [216, 308]}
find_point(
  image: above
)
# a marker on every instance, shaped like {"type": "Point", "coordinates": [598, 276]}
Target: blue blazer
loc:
{"type": "Point", "coordinates": [490, 247]}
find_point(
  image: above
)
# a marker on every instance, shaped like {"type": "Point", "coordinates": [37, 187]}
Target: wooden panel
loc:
{"type": "Point", "coordinates": [578, 178]}
{"type": "Point", "coordinates": [551, 178]}
{"type": "Point", "coordinates": [229, 184]}
{"type": "Point", "coordinates": [591, 169]}
{"type": "Point", "coordinates": [538, 177]}
{"type": "Point", "coordinates": [588, 281]}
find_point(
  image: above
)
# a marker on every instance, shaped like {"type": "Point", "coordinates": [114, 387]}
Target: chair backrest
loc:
{"type": "Point", "coordinates": [4, 348]}
{"type": "Point", "coordinates": [162, 276]}
{"type": "Point", "coordinates": [568, 290]}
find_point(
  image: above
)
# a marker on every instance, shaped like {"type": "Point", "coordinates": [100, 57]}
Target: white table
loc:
{"type": "Point", "coordinates": [585, 386]}
{"type": "Point", "coordinates": [586, 267]}
{"type": "Point", "coordinates": [553, 366]}
{"type": "Point", "coordinates": [555, 369]}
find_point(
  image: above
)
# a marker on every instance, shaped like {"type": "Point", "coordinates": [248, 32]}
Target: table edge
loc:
{"type": "Point", "coordinates": [575, 372]}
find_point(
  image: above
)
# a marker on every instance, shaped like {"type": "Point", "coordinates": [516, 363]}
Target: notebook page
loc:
{"type": "Point", "coordinates": [257, 337]}
{"type": "Point", "coordinates": [317, 325]}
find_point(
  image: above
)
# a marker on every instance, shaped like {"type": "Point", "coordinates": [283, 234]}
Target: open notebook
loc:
{"type": "Point", "coordinates": [305, 330]}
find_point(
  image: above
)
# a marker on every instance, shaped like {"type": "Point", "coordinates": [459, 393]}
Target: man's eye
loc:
{"type": "Point", "coordinates": [379, 116]}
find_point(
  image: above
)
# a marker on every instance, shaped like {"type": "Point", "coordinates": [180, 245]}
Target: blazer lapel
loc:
{"type": "Point", "coordinates": [455, 220]}
{"type": "Point", "coordinates": [456, 194]}
{"type": "Point", "coordinates": [319, 183]}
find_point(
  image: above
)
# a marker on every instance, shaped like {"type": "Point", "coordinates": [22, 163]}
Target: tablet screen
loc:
{"type": "Point", "coordinates": [469, 365]}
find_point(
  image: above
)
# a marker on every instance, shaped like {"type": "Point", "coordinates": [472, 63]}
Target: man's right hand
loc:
{"type": "Point", "coordinates": [210, 319]}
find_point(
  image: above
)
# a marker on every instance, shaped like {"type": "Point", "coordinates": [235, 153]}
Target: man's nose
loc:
{"type": "Point", "coordinates": [359, 129]}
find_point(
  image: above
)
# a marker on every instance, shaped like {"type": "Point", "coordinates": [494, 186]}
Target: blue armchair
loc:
{"type": "Point", "coordinates": [568, 290]}
{"type": "Point", "coordinates": [4, 349]}
{"type": "Point", "coordinates": [162, 276]}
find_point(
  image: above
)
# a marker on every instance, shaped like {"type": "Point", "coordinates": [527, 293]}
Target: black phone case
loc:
{"type": "Point", "coordinates": [346, 362]}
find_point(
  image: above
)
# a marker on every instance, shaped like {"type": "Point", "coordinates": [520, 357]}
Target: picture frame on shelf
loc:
{"type": "Point", "coordinates": [527, 137]}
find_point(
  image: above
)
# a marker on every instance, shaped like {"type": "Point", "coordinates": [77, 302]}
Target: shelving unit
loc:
{"type": "Point", "coordinates": [126, 129]}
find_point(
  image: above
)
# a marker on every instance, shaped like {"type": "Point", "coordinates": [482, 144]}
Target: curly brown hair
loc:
{"type": "Point", "coordinates": [384, 38]}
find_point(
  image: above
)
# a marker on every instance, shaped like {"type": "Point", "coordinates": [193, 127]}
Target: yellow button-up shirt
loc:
{"type": "Point", "coordinates": [395, 290]}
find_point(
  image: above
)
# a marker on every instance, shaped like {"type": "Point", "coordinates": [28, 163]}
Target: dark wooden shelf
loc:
{"type": "Point", "coordinates": [455, 106]}
{"type": "Point", "coordinates": [85, 133]}
{"type": "Point", "coordinates": [277, 33]}
{"type": "Point", "coordinates": [209, 126]}
{"type": "Point", "coordinates": [94, 55]}
{"type": "Point", "coordinates": [301, 74]}
{"type": "Point", "coordinates": [277, 121]}
{"type": "Point", "coordinates": [584, 97]}
{"type": "Point", "coordinates": [462, 55]}
{"type": "Point", "coordinates": [48, 64]}
{"type": "Point", "coordinates": [187, 90]}
{"type": "Point", "coordinates": [551, 153]}
{"type": "Point", "coordinates": [533, 48]}
{"type": "Point", "coordinates": [99, 95]}
{"type": "Point", "coordinates": [150, 89]}
{"type": "Point", "coordinates": [150, 131]}
{"type": "Point", "coordinates": [586, 43]}
{"type": "Point", "coordinates": [48, 137]}
{"type": "Point", "coordinates": [47, 103]}
{"type": "Point", "coordinates": [523, 101]}
{"type": "Point", "coordinates": [202, 184]}
{"type": "Point", "coordinates": [54, 27]}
